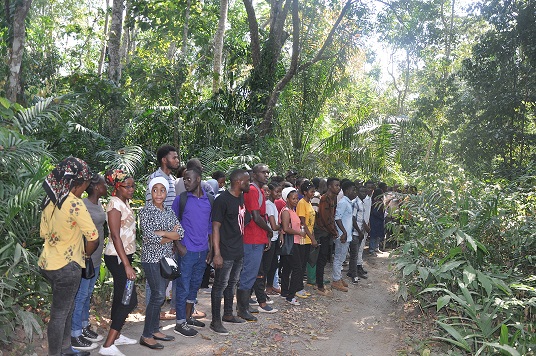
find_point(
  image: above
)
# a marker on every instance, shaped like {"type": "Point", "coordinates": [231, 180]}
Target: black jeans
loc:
{"type": "Point", "coordinates": [291, 273]}
{"type": "Point", "coordinates": [325, 241]}
{"type": "Point", "coordinates": [225, 282]}
{"type": "Point", "coordinates": [64, 283]}
{"type": "Point", "coordinates": [119, 311]}
{"type": "Point", "coordinates": [274, 265]}
{"type": "Point", "coordinates": [266, 264]}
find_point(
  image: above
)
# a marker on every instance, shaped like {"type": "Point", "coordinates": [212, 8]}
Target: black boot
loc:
{"type": "Point", "coordinates": [361, 272]}
{"type": "Point", "coordinates": [242, 302]}
{"type": "Point", "coordinates": [216, 324]}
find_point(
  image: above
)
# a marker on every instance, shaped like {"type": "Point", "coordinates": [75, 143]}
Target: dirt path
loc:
{"type": "Point", "coordinates": [360, 322]}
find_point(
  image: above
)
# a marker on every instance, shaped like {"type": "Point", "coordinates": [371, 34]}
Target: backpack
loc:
{"type": "Point", "coordinates": [184, 198]}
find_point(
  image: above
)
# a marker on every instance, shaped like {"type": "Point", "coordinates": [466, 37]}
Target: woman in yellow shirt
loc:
{"type": "Point", "coordinates": [64, 221]}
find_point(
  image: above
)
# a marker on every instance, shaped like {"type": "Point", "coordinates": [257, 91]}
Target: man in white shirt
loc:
{"type": "Point", "coordinates": [358, 241]}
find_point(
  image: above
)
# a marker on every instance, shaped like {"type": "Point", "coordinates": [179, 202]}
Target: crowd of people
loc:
{"type": "Point", "coordinates": [258, 235]}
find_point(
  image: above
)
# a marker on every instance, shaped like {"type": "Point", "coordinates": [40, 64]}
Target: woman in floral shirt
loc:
{"type": "Point", "coordinates": [63, 222]}
{"type": "Point", "coordinates": [118, 255]}
{"type": "Point", "coordinates": [160, 228]}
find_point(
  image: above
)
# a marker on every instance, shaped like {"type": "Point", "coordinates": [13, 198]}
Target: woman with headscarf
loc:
{"type": "Point", "coordinates": [160, 227]}
{"type": "Point", "coordinates": [118, 256]}
{"type": "Point", "coordinates": [64, 222]}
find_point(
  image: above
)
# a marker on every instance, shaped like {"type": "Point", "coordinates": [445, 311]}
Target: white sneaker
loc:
{"type": "Point", "coordinates": [123, 340]}
{"type": "Point", "coordinates": [110, 351]}
{"type": "Point", "coordinates": [293, 301]}
{"type": "Point", "coordinates": [206, 290]}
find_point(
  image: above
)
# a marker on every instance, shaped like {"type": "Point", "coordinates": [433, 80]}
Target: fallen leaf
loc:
{"type": "Point", "coordinates": [278, 337]}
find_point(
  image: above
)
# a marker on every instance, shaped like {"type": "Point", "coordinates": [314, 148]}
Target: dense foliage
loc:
{"type": "Point", "coordinates": [436, 93]}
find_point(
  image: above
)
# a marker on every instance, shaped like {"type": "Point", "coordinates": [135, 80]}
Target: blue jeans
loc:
{"type": "Point", "coordinates": [341, 249]}
{"type": "Point", "coordinates": [252, 261]}
{"type": "Point", "coordinates": [192, 269]}
{"type": "Point", "coordinates": [81, 304]}
{"type": "Point", "coordinates": [225, 281]}
{"type": "Point", "coordinates": [64, 283]}
{"type": "Point", "coordinates": [157, 284]}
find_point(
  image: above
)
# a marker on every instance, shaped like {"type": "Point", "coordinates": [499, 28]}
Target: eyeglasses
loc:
{"type": "Point", "coordinates": [133, 186]}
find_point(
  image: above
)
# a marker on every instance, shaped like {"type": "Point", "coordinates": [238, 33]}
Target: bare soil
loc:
{"type": "Point", "coordinates": [365, 321]}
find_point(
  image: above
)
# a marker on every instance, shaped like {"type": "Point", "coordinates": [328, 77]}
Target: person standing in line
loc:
{"type": "Point", "coordinates": [64, 222]}
{"type": "Point", "coordinates": [377, 221]}
{"type": "Point", "coordinates": [291, 265]}
{"type": "Point", "coordinates": [307, 219]}
{"type": "Point", "coordinates": [367, 204]}
{"type": "Point", "coordinates": [197, 224]}
{"type": "Point", "coordinates": [357, 245]}
{"type": "Point", "coordinates": [343, 220]}
{"type": "Point", "coordinates": [273, 219]}
{"type": "Point", "coordinates": [255, 242]}
{"type": "Point", "coordinates": [82, 336]}
{"type": "Point", "coordinates": [168, 160]}
{"type": "Point", "coordinates": [160, 228]}
{"type": "Point", "coordinates": [229, 218]}
{"type": "Point", "coordinates": [325, 230]}
{"type": "Point", "coordinates": [118, 256]}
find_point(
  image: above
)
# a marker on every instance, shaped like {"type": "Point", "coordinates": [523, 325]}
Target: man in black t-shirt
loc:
{"type": "Point", "coordinates": [229, 216]}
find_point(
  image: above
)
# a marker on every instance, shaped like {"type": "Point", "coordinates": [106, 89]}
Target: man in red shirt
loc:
{"type": "Point", "coordinates": [255, 239]}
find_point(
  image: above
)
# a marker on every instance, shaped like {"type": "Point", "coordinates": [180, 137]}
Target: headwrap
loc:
{"type": "Point", "coordinates": [114, 178]}
{"type": "Point", "coordinates": [286, 192]}
{"type": "Point", "coordinates": [158, 180]}
{"type": "Point", "coordinates": [59, 182]}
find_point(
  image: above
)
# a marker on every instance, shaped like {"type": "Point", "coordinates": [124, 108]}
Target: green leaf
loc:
{"type": "Point", "coordinates": [504, 335]}
{"type": "Point", "coordinates": [469, 275]}
{"type": "Point", "coordinates": [409, 269]}
{"type": "Point", "coordinates": [471, 241]}
{"type": "Point", "coordinates": [423, 273]}
{"type": "Point", "coordinates": [509, 349]}
{"type": "Point", "coordinates": [450, 266]}
{"type": "Point", "coordinates": [485, 281]}
{"type": "Point", "coordinates": [5, 102]}
{"type": "Point", "coordinates": [458, 338]}
{"type": "Point", "coordinates": [442, 301]}
{"type": "Point", "coordinates": [449, 232]}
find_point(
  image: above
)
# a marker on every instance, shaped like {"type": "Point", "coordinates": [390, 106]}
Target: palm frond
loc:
{"type": "Point", "coordinates": [45, 111]}
{"type": "Point", "coordinates": [18, 151]}
{"type": "Point", "coordinates": [130, 159]}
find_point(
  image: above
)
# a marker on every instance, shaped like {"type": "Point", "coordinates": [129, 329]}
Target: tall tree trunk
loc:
{"type": "Point", "coordinates": [16, 48]}
{"type": "Point", "coordinates": [218, 45]}
{"type": "Point", "coordinates": [114, 42]}
{"type": "Point", "coordinates": [103, 49]}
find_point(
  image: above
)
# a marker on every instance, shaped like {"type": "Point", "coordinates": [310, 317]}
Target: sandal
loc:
{"type": "Point", "coordinates": [167, 316]}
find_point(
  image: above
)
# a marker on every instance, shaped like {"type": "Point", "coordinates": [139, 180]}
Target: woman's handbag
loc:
{"type": "Point", "coordinates": [288, 243]}
{"type": "Point", "coordinates": [169, 268]}
{"type": "Point", "coordinates": [88, 271]}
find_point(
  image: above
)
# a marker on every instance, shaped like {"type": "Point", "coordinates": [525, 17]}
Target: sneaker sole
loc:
{"type": "Point", "coordinates": [94, 339]}
{"type": "Point", "coordinates": [267, 311]}
{"type": "Point", "coordinates": [86, 348]}
{"type": "Point", "coordinates": [179, 333]}
{"type": "Point", "coordinates": [125, 343]}
{"type": "Point", "coordinates": [196, 326]}
{"type": "Point", "coordinates": [219, 333]}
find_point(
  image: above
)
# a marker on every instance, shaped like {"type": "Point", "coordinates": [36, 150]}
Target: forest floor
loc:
{"type": "Point", "coordinates": [364, 321]}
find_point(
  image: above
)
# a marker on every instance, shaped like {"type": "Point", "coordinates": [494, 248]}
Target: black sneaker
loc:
{"type": "Point", "coordinates": [184, 330]}
{"type": "Point", "coordinates": [81, 343]}
{"type": "Point", "coordinates": [218, 328]}
{"type": "Point", "coordinates": [90, 334]}
{"type": "Point", "coordinates": [195, 322]}
{"type": "Point", "coordinates": [355, 280]}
